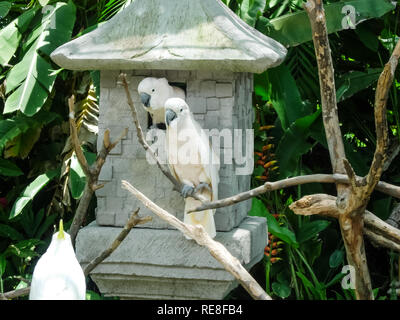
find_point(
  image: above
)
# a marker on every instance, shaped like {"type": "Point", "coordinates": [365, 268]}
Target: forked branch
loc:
{"type": "Point", "coordinates": [91, 172]}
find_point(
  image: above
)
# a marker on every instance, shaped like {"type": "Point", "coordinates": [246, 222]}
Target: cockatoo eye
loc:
{"type": "Point", "coordinates": [181, 110]}
{"type": "Point", "coordinates": [153, 90]}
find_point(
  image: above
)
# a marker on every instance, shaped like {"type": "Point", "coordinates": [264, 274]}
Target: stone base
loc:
{"type": "Point", "coordinates": [162, 264]}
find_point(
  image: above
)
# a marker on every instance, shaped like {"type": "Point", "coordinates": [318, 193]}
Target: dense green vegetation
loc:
{"type": "Point", "coordinates": [41, 180]}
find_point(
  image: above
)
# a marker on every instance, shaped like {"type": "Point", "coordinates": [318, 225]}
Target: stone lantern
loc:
{"type": "Point", "coordinates": [208, 51]}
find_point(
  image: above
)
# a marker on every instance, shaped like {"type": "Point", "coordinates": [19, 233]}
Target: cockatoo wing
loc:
{"type": "Point", "coordinates": [212, 164]}
{"type": "Point", "coordinates": [203, 171]}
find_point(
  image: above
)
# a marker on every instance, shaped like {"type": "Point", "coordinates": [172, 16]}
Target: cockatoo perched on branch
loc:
{"type": "Point", "coordinates": [192, 161]}
{"type": "Point", "coordinates": [153, 94]}
{"type": "Point", "coordinates": [58, 274]}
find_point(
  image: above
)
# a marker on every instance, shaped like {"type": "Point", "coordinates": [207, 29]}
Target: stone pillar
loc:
{"type": "Point", "coordinates": [156, 261]}
{"type": "Point", "coordinates": [218, 100]}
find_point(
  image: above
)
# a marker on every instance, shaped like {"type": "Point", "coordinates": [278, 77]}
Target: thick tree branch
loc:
{"type": "Point", "coordinates": [352, 200]}
{"type": "Point", "coordinates": [325, 205]}
{"type": "Point", "coordinates": [217, 250]}
{"type": "Point", "coordinates": [330, 116]}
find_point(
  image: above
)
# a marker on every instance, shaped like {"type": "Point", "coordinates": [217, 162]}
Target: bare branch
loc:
{"type": "Point", "coordinates": [330, 117]}
{"type": "Point", "coordinates": [92, 173]}
{"type": "Point", "coordinates": [394, 218]}
{"type": "Point", "coordinates": [316, 204]}
{"type": "Point", "coordinates": [381, 241]}
{"type": "Point", "coordinates": [74, 137]}
{"type": "Point", "coordinates": [325, 205]}
{"type": "Point", "coordinates": [351, 174]}
{"type": "Point", "coordinates": [133, 221]}
{"type": "Point", "coordinates": [351, 205]}
{"type": "Point", "coordinates": [381, 227]}
{"type": "Point", "coordinates": [384, 187]}
{"type": "Point", "coordinates": [385, 82]}
{"type": "Point", "coordinates": [392, 153]}
{"type": "Point", "coordinates": [217, 250]}
{"type": "Point", "coordinates": [15, 293]}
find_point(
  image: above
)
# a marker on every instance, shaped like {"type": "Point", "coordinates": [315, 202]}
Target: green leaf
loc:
{"type": "Point", "coordinates": [273, 85]}
{"type": "Point", "coordinates": [77, 180]}
{"type": "Point", "coordinates": [91, 295]}
{"type": "Point", "coordinates": [258, 209]}
{"type": "Point", "coordinates": [367, 37]}
{"type": "Point", "coordinates": [43, 2]}
{"type": "Point", "coordinates": [11, 35]}
{"type": "Point", "coordinates": [294, 28]}
{"type": "Point", "coordinates": [10, 233]}
{"type": "Point", "coordinates": [281, 289]}
{"type": "Point", "coordinates": [307, 283]}
{"type": "Point", "coordinates": [5, 7]}
{"type": "Point", "coordinates": [382, 207]}
{"type": "Point", "coordinates": [31, 191]}
{"type": "Point", "coordinates": [12, 128]}
{"type": "Point", "coordinates": [32, 78]}
{"type": "Point", "coordinates": [355, 81]}
{"type": "Point", "coordinates": [294, 143]}
{"type": "Point", "coordinates": [312, 250]}
{"type": "Point", "coordinates": [310, 229]}
{"type": "Point", "coordinates": [23, 144]}
{"type": "Point", "coordinates": [317, 291]}
{"type": "Point", "coordinates": [49, 221]}
{"type": "Point", "coordinates": [23, 249]}
{"type": "Point", "coordinates": [9, 169]}
{"type": "Point", "coordinates": [335, 280]}
{"type": "Point", "coordinates": [3, 264]}
{"type": "Point", "coordinates": [336, 258]}
{"type": "Point", "coordinates": [250, 10]}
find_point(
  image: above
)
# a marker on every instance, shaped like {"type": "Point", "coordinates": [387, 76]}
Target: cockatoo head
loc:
{"type": "Point", "coordinates": [176, 110]}
{"type": "Point", "coordinates": [154, 92]}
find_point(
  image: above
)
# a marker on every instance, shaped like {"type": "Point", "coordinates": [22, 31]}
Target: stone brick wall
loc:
{"type": "Point", "coordinates": [217, 99]}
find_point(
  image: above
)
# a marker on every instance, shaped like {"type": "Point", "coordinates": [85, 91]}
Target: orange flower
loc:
{"type": "Point", "coordinates": [266, 127]}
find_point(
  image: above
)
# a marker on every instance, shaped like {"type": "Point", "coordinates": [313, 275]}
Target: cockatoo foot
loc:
{"type": "Point", "coordinates": [201, 186]}
{"type": "Point", "coordinates": [187, 190]}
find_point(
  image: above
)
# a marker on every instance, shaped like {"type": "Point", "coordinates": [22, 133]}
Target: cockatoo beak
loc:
{"type": "Point", "coordinates": [61, 234]}
{"type": "Point", "coordinates": [169, 116]}
{"type": "Point", "coordinates": [145, 98]}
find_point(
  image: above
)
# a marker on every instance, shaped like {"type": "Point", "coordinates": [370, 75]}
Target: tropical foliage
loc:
{"type": "Point", "coordinates": [41, 180]}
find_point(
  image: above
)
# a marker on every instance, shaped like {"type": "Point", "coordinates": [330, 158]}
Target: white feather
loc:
{"type": "Point", "coordinates": [160, 91]}
{"type": "Point", "coordinates": [200, 170]}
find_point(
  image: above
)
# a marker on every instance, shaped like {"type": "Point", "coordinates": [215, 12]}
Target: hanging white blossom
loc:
{"type": "Point", "coordinates": [58, 274]}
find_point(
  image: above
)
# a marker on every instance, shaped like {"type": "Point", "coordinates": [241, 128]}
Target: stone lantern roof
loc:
{"type": "Point", "coordinates": [172, 35]}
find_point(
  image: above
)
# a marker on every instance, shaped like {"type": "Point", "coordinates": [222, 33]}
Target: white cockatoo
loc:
{"type": "Point", "coordinates": [153, 94]}
{"type": "Point", "coordinates": [58, 274]}
{"type": "Point", "coordinates": [192, 161]}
